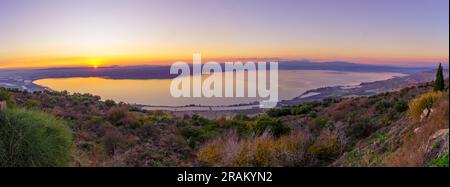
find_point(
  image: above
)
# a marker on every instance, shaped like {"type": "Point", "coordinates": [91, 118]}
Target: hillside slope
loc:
{"type": "Point", "coordinates": [360, 131]}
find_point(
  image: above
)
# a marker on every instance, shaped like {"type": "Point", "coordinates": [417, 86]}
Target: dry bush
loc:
{"type": "Point", "coordinates": [120, 115]}
{"type": "Point", "coordinates": [412, 152]}
{"type": "Point", "coordinates": [425, 101]}
{"type": "Point", "coordinates": [113, 140]}
{"type": "Point", "coordinates": [90, 154]}
{"type": "Point", "coordinates": [264, 150]}
{"type": "Point", "coordinates": [326, 148]}
{"type": "Point", "coordinates": [344, 104]}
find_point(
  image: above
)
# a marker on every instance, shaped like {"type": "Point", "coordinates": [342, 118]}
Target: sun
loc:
{"type": "Point", "coordinates": [95, 62]}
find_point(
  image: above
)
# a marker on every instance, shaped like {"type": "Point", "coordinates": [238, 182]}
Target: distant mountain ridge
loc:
{"type": "Point", "coordinates": [162, 72]}
{"type": "Point", "coordinates": [348, 66]}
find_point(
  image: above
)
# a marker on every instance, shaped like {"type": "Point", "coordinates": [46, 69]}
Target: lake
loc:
{"type": "Point", "coordinates": [156, 92]}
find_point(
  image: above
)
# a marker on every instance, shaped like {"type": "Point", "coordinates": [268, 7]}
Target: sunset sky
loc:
{"type": "Point", "coordinates": [44, 33]}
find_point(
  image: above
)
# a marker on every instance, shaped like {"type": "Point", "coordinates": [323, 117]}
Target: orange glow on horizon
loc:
{"type": "Point", "coordinates": [167, 58]}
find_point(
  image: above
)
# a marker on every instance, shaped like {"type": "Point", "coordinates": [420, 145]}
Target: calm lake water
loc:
{"type": "Point", "coordinates": [156, 92]}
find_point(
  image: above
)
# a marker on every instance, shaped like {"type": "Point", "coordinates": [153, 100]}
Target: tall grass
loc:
{"type": "Point", "coordinates": [260, 151]}
{"type": "Point", "coordinates": [425, 101]}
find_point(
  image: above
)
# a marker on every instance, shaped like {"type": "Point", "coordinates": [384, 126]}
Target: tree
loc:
{"type": "Point", "coordinates": [439, 82]}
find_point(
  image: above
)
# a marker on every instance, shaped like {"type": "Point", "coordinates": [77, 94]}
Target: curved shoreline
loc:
{"type": "Point", "coordinates": [362, 89]}
{"type": "Point", "coordinates": [341, 91]}
{"type": "Point", "coordinates": [304, 95]}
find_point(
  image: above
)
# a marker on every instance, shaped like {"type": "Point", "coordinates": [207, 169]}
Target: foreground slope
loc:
{"type": "Point", "coordinates": [360, 131]}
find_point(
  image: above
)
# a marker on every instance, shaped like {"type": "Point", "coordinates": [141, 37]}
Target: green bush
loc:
{"type": "Point", "coordinates": [32, 104]}
{"type": "Point", "coordinates": [199, 120]}
{"type": "Point", "coordinates": [320, 122]}
{"type": "Point", "coordinates": [358, 126]}
{"type": "Point", "coordinates": [440, 161]}
{"type": "Point", "coordinates": [30, 138]}
{"type": "Point", "coordinates": [110, 103]}
{"type": "Point", "coordinates": [275, 112]}
{"type": "Point", "coordinates": [197, 134]}
{"type": "Point", "coordinates": [274, 125]}
{"type": "Point", "coordinates": [301, 109]}
{"type": "Point", "coordinates": [401, 106]}
{"type": "Point", "coordinates": [5, 95]}
{"type": "Point", "coordinates": [239, 125]}
{"type": "Point", "coordinates": [382, 106]}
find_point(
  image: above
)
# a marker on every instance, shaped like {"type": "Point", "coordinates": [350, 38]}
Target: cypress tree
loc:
{"type": "Point", "coordinates": [439, 82]}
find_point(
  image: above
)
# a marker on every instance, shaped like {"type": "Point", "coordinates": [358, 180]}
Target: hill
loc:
{"type": "Point", "coordinates": [357, 131]}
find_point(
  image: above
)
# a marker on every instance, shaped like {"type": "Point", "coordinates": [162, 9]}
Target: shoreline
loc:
{"type": "Point", "coordinates": [340, 91]}
{"type": "Point", "coordinates": [336, 92]}
{"type": "Point", "coordinates": [235, 107]}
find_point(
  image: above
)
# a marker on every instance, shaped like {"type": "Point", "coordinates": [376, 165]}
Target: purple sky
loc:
{"type": "Point", "coordinates": [55, 32]}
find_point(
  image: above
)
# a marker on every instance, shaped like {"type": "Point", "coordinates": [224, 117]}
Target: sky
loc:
{"type": "Point", "coordinates": [53, 33]}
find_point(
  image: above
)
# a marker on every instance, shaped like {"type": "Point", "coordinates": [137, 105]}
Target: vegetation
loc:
{"type": "Point", "coordinates": [5, 95]}
{"type": "Point", "coordinates": [259, 151]}
{"type": "Point", "coordinates": [412, 152]}
{"type": "Point", "coordinates": [273, 125]}
{"type": "Point", "coordinates": [439, 84]}
{"type": "Point", "coordinates": [30, 138]}
{"type": "Point", "coordinates": [441, 161]}
{"type": "Point", "coordinates": [32, 104]}
{"type": "Point", "coordinates": [426, 101]}
{"type": "Point", "coordinates": [377, 130]}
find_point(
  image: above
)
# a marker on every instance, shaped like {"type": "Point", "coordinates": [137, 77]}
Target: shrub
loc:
{"type": "Point", "coordinates": [110, 103]}
{"type": "Point", "coordinates": [30, 138]}
{"type": "Point", "coordinates": [198, 134]}
{"type": "Point", "coordinates": [120, 115]}
{"type": "Point", "coordinates": [211, 154]}
{"type": "Point", "coordinates": [358, 126]}
{"type": "Point", "coordinates": [113, 140]}
{"type": "Point", "coordinates": [401, 106]}
{"type": "Point", "coordinates": [32, 104]}
{"type": "Point", "coordinates": [328, 101]}
{"type": "Point", "coordinates": [320, 122]}
{"type": "Point", "coordinates": [275, 112]}
{"type": "Point", "coordinates": [199, 120]}
{"type": "Point", "coordinates": [382, 106]}
{"type": "Point", "coordinates": [274, 125]}
{"type": "Point", "coordinates": [241, 126]}
{"type": "Point", "coordinates": [5, 95]}
{"type": "Point", "coordinates": [440, 161]}
{"type": "Point", "coordinates": [312, 115]}
{"type": "Point", "coordinates": [326, 148]}
{"type": "Point", "coordinates": [261, 151]}
{"type": "Point", "coordinates": [425, 101]}
{"type": "Point", "coordinates": [302, 109]}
